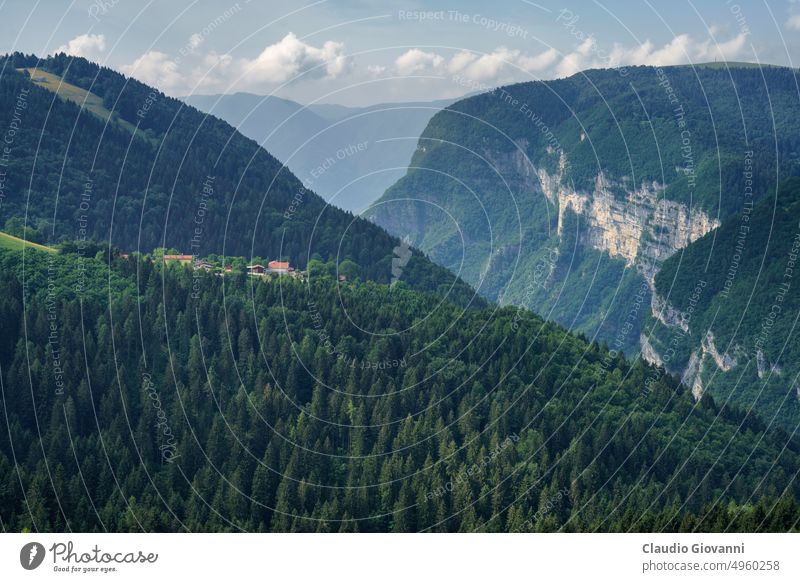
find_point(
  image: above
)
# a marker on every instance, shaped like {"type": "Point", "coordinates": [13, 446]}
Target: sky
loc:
{"type": "Point", "coordinates": [357, 52]}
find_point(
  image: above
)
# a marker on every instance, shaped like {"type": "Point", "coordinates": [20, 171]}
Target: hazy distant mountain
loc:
{"type": "Point", "coordinates": [349, 155]}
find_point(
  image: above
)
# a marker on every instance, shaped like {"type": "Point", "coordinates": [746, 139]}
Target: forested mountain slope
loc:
{"type": "Point", "coordinates": [139, 395]}
{"type": "Point", "coordinates": [128, 165]}
{"type": "Point", "coordinates": [143, 397]}
{"type": "Point", "coordinates": [566, 196]}
{"type": "Point", "coordinates": [737, 336]}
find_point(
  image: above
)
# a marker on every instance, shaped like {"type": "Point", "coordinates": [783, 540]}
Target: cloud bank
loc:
{"type": "Point", "coordinates": [292, 60]}
{"type": "Point", "coordinates": [289, 59]}
{"type": "Point", "coordinates": [504, 64]}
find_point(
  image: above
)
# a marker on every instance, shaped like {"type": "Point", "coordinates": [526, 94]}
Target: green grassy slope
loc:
{"type": "Point", "coordinates": [10, 242]}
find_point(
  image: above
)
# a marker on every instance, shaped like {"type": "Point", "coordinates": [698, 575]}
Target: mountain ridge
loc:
{"type": "Point", "coordinates": [194, 184]}
{"type": "Point", "coordinates": [571, 194]}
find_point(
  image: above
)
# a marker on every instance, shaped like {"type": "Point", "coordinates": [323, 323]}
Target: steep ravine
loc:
{"type": "Point", "coordinates": [638, 225]}
{"type": "Point", "coordinates": [593, 213]}
{"type": "Point", "coordinates": [644, 228]}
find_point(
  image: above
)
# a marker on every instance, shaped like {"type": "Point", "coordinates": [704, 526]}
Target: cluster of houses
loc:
{"type": "Point", "coordinates": [277, 268]}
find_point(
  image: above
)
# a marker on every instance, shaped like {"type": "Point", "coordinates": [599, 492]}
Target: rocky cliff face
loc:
{"type": "Point", "coordinates": [664, 312]}
{"type": "Point", "coordinates": [648, 352]}
{"type": "Point", "coordinates": [724, 361]}
{"type": "Point", "coordinates": [693, 375]}
{"type": "Point", "coordinates": [638, 225]}
{"type": "Point", "coordinates": [642, 227]}
{"type": "Point", "coordinates": [634, 223]}
{"type": "Point", "coordinates": [763, 366]}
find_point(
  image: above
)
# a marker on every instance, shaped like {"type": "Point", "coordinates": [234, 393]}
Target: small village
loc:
{"type": "Point", "coordinates": [271, 270]}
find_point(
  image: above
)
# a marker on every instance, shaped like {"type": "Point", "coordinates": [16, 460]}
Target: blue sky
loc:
{"type": "Point", "coordinates": [357, 52]}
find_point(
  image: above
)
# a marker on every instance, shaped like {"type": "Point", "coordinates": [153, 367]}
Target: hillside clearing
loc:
{"type": "Point", "coordinates": [11, 242]}
{"type": "Point", "coordinates": [81, 97]}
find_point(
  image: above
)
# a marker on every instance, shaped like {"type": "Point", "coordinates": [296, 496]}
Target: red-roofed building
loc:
{"type": "Point", "coordinates": [182, 259]}
{"type": "Point", "coordinates": [278, 267]}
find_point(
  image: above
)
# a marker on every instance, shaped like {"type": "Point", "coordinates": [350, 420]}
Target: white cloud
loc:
{"type": "Point", "coordinates": [417, 61]}
{"type": "Point", "coordinates": [86, 45]}
{"type": "Point", "coordinates": [578, 59]}
{"type": "Point", "coordinates": [793, 22]}
{"type": "Point", "coordinates": [213, 72]}
{"type": "Point", "coordinates": [681, 49]}
{"type": "Point", "coordinates": [157, 69]}
{"type": "Point", "coordinates": [482, 68]}
{"type": "Point", "coordinates": [461, 61]}
{"type": "Point", "coordinates": [502, 63]}
{"type": "Point", "coordinates": [717, 29]}
{"type": "Point", "coordinates": [283, 61]}
{"type": "Point", "coordinates": [291, 57]}
{"type": "Point", "coordinates": [195, 41]}
{"type": "Point", "coordinates": [538, 62]}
